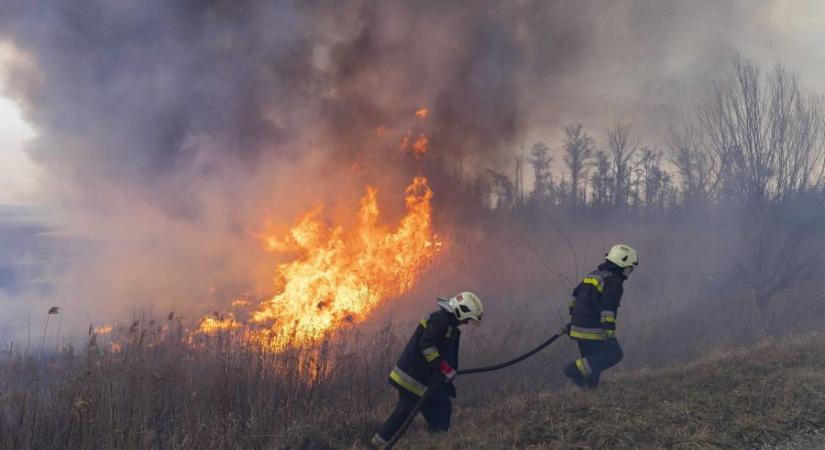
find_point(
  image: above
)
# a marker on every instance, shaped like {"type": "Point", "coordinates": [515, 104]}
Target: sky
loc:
{"type": "Point", "coordinates": [656, 63]}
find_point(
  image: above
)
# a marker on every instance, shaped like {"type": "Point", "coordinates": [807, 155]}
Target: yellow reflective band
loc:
{"type": "Point", "coordinates": [611, 333]}
{"type": "Point", "coordinates": [424, 323]}
{"type": "Point", "coordinates": [407, 382]}
{"type": "Point", "coordinates": [608, 320]}
{"type": "Point", "coordinates": [430, 353]}
{"type": "Point", "coordinates": [595, 282]}
{"type": "Point", "coordinates": [592, 334]}
{"type": "Point", "coordinates": [583, 366]}
{"type": "Point", "coordinates": [588, 336]}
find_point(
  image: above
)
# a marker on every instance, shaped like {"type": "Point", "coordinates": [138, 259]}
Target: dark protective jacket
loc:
{"type": "Point", "coordinates": [435, 340]}
{"type": "Point", "coordinates": [596, 302]}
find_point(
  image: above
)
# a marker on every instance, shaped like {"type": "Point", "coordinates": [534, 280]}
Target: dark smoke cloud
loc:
{"type": "Point", "coordinates": [169, 129]}
{"type": "Point", "coordinates": [144, 85]}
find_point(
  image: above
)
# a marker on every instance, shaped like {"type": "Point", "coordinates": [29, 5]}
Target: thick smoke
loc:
{"type": "Point", "coordinates": [172, 131]}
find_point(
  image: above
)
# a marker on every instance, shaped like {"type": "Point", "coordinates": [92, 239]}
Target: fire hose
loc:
{"type": "Point", "coordinates": [441, 381]}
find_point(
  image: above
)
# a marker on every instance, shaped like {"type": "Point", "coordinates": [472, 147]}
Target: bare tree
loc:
{"type": "Point", "coordinates": [765, 132]}
{"type": "Point", "coordinates": [622, 147]}
{"type": "Point", "coordinates": [782, 248]}
{"type": "Point", "coordinates": [636, 180]}
{"type": "Point", "coordinates": [767, 135]}
{"type": "Point", "coordinates": [795, 126]}
{"type": "Point", "coordinates": [601, 180]}
{"type": "Point", "coordinates": [654, 179]}
{"type": "Point", "coordinates": [541, 160]}
{"type": "Point", "coordinates": [698, 168]}
{"type": "Point", "coordinates": [578, 150]}
{"type": "Point", "coordinates": [732, 118]}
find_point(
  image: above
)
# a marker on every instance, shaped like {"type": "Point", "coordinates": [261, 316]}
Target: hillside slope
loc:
{"type": "Point", "coordinates": [773, 394]}
{"type": "Point", "coordinates": [768, 395]}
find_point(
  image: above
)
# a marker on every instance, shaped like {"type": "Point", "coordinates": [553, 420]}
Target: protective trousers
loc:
{"type": "Point", "coordinates": [597, 356]}
{"type": "Point", "coordinates": [436, 411]}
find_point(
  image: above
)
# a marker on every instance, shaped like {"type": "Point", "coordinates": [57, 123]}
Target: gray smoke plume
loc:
{"type": "Point", "coordinates": [170, 131]}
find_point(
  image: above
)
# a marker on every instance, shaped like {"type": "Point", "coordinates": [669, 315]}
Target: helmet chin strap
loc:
{"type": "Point", "coordinates": [627, 271]}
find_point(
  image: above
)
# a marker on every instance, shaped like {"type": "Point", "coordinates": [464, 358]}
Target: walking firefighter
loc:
{"type": "Point", "coordinates": [593, 312]}
{"type": "Point", "coordinates": [430, 354]}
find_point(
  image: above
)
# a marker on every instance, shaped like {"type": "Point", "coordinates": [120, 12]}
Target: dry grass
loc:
{"type": "Point", "coordinates": [745, 399]}
{"type": "Point", "coordinates": [165, 391]}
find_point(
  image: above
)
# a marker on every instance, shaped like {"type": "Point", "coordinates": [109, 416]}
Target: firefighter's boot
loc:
{"type": "Point", "coordinates": [572, 372]}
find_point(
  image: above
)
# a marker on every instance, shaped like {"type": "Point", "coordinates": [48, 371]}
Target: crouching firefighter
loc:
{"type": "Point", "coordinates": [430, 354]}
{"type": "Point", "coordinates": [593, 311]}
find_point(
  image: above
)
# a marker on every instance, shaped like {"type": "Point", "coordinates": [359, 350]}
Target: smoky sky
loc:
{"type": "Point", "coordinates": [157, 120]}
{"type": "Point", "coordinates": [130, 92]}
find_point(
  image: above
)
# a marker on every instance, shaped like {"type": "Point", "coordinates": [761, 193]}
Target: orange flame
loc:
{"type": "Point", "coordinates": [103, 330]}
{"type": "Point", "coordinates": [240, 302]}
{"type": "Point", "coordinates": [422, 113]}
{"type": "Point", "coordinates": [212, 324]}
{"type": "Point", "coordinates": [420, 145]}
{"type": "Point", "coordinates": [341, 277]}
{"type": "Point", "coordinates": [418, 148]}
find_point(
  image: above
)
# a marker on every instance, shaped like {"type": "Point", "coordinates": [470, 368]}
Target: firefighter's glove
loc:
{"type": "Point", "coordinates": [446, 370]}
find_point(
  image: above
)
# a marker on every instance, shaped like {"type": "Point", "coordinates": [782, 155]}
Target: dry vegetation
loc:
{"type": "Point", "coordinates": [743, 399]}
{"type": "Point", "coordinates": [164, 391]}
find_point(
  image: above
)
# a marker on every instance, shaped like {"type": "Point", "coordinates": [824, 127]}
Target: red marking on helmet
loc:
{"type": "Point", "coordinates": [459, 298]}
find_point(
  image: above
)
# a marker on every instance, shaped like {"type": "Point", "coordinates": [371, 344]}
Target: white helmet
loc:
{"type": "Point", "coordinates": [467, 305]}
{"type": "Point", "coordinates": [623, 256]}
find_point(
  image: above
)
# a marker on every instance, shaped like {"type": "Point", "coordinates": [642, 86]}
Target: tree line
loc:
{"type": "Point", "coordinates": [752, 151]}
{"type": "Point", "coordinates": [756, 138]}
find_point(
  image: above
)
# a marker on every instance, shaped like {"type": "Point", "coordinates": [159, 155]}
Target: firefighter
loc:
{"type": "Point", "coordinates": [430, 354]}
{"type": "Point", "coordinates": [593, 312]}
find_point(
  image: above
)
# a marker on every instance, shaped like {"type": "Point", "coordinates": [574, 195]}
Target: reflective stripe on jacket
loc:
{"type": "Point", "coordinates": [435, 339]}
